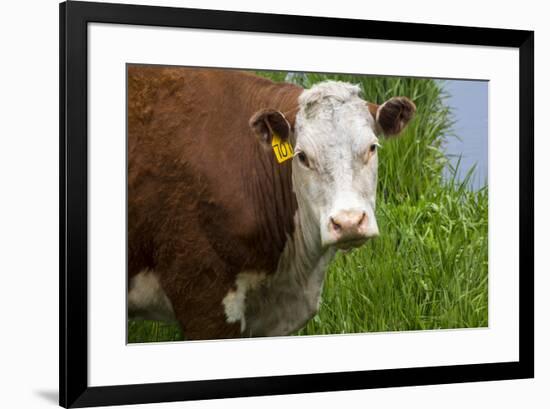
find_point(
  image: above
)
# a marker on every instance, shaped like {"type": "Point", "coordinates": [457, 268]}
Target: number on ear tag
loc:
{"type": "Point", "coordinates": [282, 149]}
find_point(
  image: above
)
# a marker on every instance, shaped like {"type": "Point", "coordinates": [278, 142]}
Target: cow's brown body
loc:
{"type": "Point", "coordinates": [206, 201]}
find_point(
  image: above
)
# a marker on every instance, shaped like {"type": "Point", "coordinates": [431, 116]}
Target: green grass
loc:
{"type": "Point", "coordinates": [429, 267]}
{"type": "Point", "coordinates": [153, 331]}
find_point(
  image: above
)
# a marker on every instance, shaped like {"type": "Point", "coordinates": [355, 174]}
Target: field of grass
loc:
{"type": "Point", "coordinates": [429, 267]}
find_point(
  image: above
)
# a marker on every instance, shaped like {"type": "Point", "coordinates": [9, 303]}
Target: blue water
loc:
{"type": "Point", "coordinates": [468, 101]}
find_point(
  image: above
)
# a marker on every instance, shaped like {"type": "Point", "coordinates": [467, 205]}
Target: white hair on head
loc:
{"type": "Point", "coordinates": [329, 92]}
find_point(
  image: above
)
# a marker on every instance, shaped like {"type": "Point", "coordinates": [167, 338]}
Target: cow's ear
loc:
{"type": "Point", "coordinates": [266, 122]}
{"type": "Point", "coordinates": [393, 115]}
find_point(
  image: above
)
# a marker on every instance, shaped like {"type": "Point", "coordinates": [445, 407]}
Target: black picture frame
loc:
{"type": "Point", "coordinates": [74, 17]}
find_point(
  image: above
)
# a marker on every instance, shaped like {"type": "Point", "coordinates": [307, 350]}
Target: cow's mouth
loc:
{"type": "Point", "coordinates": [346, 245]}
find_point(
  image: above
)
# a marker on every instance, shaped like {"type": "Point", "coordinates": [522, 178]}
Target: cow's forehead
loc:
{"type": "Point", "coordinates": [332, 114]}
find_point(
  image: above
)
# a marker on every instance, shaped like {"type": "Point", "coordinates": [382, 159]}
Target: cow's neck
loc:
{"type": "Point", "coordinates": [286, 300]}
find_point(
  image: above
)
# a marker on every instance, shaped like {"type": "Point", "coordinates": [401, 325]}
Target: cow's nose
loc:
{"type": "Point", "coordinates": [348, 224]}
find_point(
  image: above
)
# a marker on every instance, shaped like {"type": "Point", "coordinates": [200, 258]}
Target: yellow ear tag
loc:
{"type": "Point", "coordinates": [282, 149]}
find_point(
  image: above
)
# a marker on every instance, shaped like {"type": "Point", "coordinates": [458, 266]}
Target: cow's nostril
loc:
{"type": "Point", "coordinates": [348, 222]}
{"type": "Point", "coordinates": [335, 226]}
{"type": "Point", "coordinates": [362, 219]}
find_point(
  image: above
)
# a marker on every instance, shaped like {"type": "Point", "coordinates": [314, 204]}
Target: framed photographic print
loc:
{"type": "Point", "coordinates": [256, 204]}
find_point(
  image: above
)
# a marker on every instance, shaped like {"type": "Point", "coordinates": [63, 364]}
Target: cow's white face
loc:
{"type": "Point", "coordinates": [335, 166]}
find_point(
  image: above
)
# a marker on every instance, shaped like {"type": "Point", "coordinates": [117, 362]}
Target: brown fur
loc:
{"type": "Point", "coordinates": [206, 200]}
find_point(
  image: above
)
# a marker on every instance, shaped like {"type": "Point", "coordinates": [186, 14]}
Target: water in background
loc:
{"type": "Point", "coordinates": [468, 101]}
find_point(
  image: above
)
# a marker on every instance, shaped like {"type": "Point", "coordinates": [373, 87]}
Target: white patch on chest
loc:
{"type": "Point", "coordinates": [234, 302]}
{"type": "Point", "coordinates": [147, 299]}
{"type": "Point", "coordinates": [282, 302]}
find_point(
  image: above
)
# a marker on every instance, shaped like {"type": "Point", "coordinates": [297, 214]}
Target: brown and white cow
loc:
{"type": "Point", "coordinates": [221, 236]}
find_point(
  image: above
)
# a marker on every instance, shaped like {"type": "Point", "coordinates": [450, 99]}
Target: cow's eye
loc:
{"type": "Point", "coordinates": [302, 157]}
{"type": "Point", "coordinates": [371, 151]}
